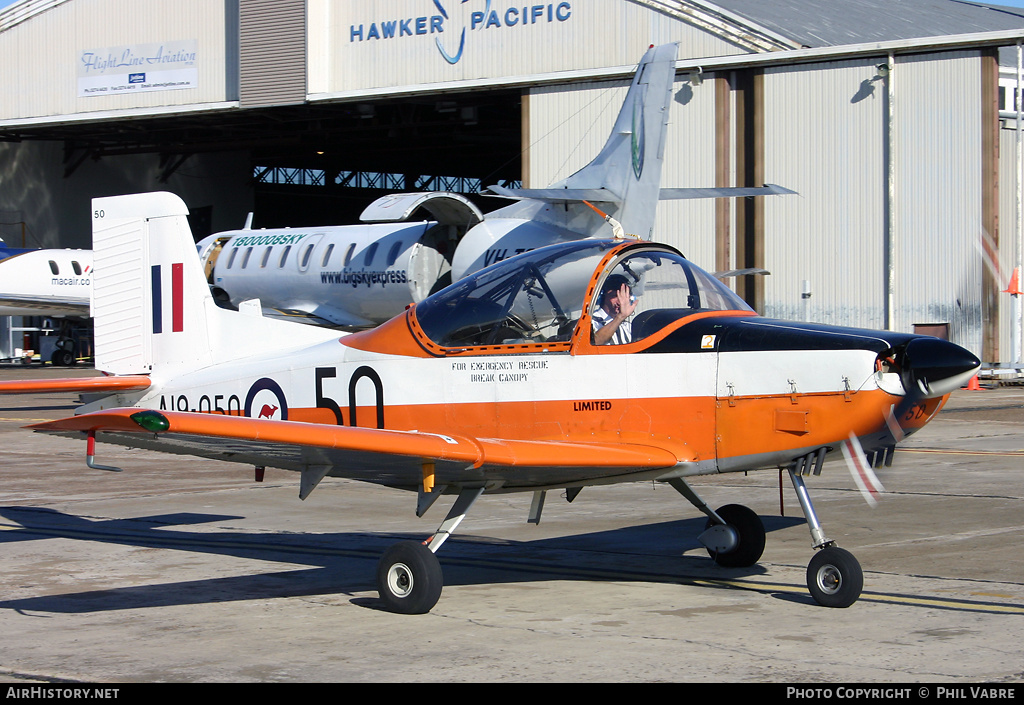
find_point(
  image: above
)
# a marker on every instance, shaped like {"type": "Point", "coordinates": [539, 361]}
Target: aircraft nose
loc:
{"type": "Point", "coordinates": [933, 367]}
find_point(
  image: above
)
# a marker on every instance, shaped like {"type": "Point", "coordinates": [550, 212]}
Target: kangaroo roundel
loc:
{"type": "Point", "coordinates": [265, 400]}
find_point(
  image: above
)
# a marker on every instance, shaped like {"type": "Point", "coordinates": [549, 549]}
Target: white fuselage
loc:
{"type": "Point", "coordinates": [46, 283]}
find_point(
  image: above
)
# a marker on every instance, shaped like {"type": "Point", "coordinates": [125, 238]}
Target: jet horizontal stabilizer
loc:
{"type": "Point", "coordinates": [602, 195]}
{"type": "Point", "coordinates": [674, 194]}
{"type": "Point", "coordinates": [607, 196]}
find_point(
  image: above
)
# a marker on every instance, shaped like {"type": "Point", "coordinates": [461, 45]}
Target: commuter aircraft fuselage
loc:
{"type": "Point", "coordinates": [45, 282]}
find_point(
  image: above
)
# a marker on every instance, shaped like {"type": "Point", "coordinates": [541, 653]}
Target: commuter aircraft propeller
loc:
{"type": "Point", "coordinates": [361, 275]}
{"type": "Point", "coordinates": [498, 384]}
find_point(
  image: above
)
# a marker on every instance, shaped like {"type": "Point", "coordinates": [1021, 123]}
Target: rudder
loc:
{"type": "Point", "coordinates": [149, 296]}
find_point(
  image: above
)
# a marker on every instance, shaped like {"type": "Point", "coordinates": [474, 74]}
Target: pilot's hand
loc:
{"type": "Point", "coordinates": [625, 306]}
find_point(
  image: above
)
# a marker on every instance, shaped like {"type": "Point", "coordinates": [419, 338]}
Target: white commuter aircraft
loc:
{"type": "Point", "coordinates": [361, 275]}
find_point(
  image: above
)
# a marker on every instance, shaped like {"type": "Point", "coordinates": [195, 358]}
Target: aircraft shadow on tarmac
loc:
{"type": "Point", "coordinates": [345, 563]}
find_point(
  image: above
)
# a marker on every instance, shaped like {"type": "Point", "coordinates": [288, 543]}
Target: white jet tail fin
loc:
{"type": "Point", "coordinates": [151, 307]}
{"type": "Point", "coordinates": [630, 164]}
{"type": "Point", "coordinates": [625, 177]}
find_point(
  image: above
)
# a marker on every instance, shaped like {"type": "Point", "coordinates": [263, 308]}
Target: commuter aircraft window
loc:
{"type": "Point", "coordinates": [393, 253]}
{"type": "Point", "coordinates": [245, 259]}
{"type": "Point", "coordinates": [266, 257]}
{"type": "Point", "coordinates": [54, 268]}
{"type": "Point", "coordinates": [370, 252]}
{"type": "Point", "coordinates": [327, 255]}
{"type": "Point", "coordinates": [77, 267]}
{"type": "Point", "coordinates": [348, 253]}
{"type": "Point", "coordinates": [231, 259]}
{"type": "Point", "coordinates": [304, 260]}
{"type": "Point", "coordinates": [284, 255]}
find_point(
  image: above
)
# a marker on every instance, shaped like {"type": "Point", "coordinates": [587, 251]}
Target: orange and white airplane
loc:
{"type": "Point", "coordinates": [497, 384]}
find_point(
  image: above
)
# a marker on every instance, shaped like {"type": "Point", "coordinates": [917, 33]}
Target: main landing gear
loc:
{"type": "Point", "coordinates": [735, 537]}
{"type": "Point", "coordinates": [409, 577]}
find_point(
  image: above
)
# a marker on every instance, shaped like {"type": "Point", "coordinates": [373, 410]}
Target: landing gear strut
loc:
{"type": "Point", "coordinates": [734, 535]}
{"type": "Point", "coordinates": [409, 577]}
{"type": "Point", "coordinates": [834, 577]}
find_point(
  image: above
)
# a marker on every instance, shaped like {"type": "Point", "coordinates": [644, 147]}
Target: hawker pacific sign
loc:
{"type": "Point", "coordinates": [450, 21]}
{"type": "Point", "coordinates": [138, 68]}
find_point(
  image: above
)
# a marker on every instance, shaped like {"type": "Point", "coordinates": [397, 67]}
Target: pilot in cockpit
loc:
{"type": "Point", "coordinates": [610, 319]}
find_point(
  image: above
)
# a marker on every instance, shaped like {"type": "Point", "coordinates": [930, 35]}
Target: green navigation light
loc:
{"type": "Point", "coordinates": [151, 420]}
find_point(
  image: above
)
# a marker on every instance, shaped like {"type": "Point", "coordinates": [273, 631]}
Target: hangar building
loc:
{"type": "Point", "coordinates": [895, 123]}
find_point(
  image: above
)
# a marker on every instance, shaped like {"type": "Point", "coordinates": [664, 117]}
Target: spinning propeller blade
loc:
{"type": "Point", "coordinates": [868, 484]}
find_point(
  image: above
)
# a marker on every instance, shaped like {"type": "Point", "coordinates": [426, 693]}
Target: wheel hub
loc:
{"type": "Point", "coordinates": [829, 579]}
{"type": "Point", "coordinates": [400, 580]}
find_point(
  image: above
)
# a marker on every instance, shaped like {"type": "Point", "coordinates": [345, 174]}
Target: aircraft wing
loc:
{"type": "Point", "coordinates": [382, 456]}
{"type": "Point", "coordinates": [97, 385]}
{"type": "Point", "coordinates": [44, 305]}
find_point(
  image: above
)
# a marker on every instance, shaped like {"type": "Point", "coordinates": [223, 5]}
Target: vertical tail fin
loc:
{"type": "Point", "coordinates": [142, 282]}
{"type": "Point", "coordinates": [625, 176]}
{"type": "Point", "coordinates": [151, 307]}
{"type": "Point", "coordinates": [630, 164]}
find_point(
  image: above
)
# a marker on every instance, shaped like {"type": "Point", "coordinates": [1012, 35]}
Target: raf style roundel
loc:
{"type": "Point", "coordinates": [265, 400]}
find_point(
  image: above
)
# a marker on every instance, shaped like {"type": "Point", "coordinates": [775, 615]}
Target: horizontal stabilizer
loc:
{"type": "Point", "coordinates": [97, 385]}
{"type": "Point", "coordinates": [606, 196]}
{"type": "Point", "coordinates": [740, 272]}
{"type": "Point", "coordinates": [674, 194]}
{"type": "Point", "coordinates": [555, 194]}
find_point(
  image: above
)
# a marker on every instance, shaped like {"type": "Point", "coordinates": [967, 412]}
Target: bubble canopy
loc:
{"type": "Point", "coordinates": [541, 296]}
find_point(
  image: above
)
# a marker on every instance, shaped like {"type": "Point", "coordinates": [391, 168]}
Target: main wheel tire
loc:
{"type": "Point", "coordinates": [751, 537]}
{"type": "Point", "coordinates": [409, 578]}
{"type": "Point", "coordinates": [63, 358]}
{"type": "Point", "coordinates": [834, 577]}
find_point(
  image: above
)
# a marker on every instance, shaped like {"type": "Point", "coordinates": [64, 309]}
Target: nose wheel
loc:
{"type": "Point", "coordinates": [834, 577]}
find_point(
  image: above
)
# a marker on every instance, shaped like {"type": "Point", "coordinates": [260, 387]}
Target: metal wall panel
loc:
{"type": "Point", "coordinates": [41, 56]}
{"type": "Point", "coordinates": [1009, 190]}
{"type": "Point", "coordinates": [689, 225]}
{"type": "Point", "coordinates": [824, 138]}
{"type": "Point", "coordinates": [272, 52]}
{"type": "Point", "coordinates": [374, 44]}
{"type": "Point", "coordinates": [938, 218]}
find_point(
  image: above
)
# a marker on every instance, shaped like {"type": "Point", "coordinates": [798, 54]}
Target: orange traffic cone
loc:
{"type": "Point", "coordinates": [973, 384]}
{"type": "Point", "coordinates": [1014, 287]}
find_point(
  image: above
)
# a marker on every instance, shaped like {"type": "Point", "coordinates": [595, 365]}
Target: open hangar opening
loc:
{"type": "Point", "coordinates": [303, 112]}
